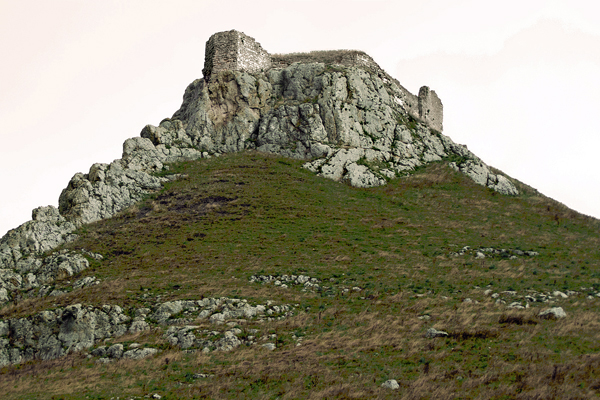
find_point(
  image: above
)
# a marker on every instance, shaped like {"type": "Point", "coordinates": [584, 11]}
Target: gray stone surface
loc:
{"type": "Point", "coordinates": [47, 230]}
{"type": "Point", "coordinates": [433, 333]}
{"type": "Point", "coordinates": [109, 188]}
{"type": "Point", "coordinates": [390, 384]}
{"type": "Point", "coordinates": [138, 354]}
{"type": "Point", "coordinates": [54, 333]}
{"type": "Point", "coordinates": [553, 313]}
{"type": "Point", "coordinates": [115, 351]}
{"type": "Point", "coordinates": [32, 271]}
{"type": "Point", "coordinates": [269, 346]}
{"type": "Point", "coordinates": [51, 334]}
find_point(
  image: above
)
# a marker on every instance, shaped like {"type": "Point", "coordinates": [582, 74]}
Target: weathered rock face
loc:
{"type": "Point", "coordinates": [345, 116]}
{"type": "Point", "coordinates": [353, 123]}
{"type": "Point", "coordinates": [44, 232]}
{"type": "Point", "coordinates": [52, 334]}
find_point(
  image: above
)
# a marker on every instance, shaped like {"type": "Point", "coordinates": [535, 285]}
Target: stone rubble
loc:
{"type": "Point", "coordinates": [517, 300]}
{"type": "Point", "coordinates": [306, 282]}
{"type": "Point", "coordinates": [284, 281]}
{"type": "Point", "coordinates": [490, 252]}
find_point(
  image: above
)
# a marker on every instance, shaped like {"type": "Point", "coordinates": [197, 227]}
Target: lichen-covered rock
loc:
{"type": "Point", "coordinates": [138, 354]}
{"type": "Point", "coordinates": [553, 313]}
{"type": "Point", "coordinates": [108, 188]}
{"type": "Point", "coordinates": [482, 175]}
{"type": "Point", "coordinates": [115, 351]}
{"type": "Point", "coordinates": [32, 272]}
{"type": "Point", "coordinates": [47, 230]}
{"type": "Point", "coordinates": [52, 334]}
{"type": "Point", "coordinates": [390, 384]}
{"type": "Point", "coordinates": [433, 333]}
{"type": "Point", "coordinates": [228, 342]}
{"type": "Point", "coordinates": [181, 336]}
{"type": "Point", "coordinates": [354, 123]}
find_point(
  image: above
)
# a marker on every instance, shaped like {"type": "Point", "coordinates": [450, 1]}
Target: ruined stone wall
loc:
{"type": "Point", "coordinates": [251, 56]}
{"type": "Point", "coordinates": [233, 50]}
{"type": "Point", "coordinates": [349, 58]}
{"type": "Point", "coordinates": [412, 104]}
{"type": "Point", "coordinates": [430, 108]}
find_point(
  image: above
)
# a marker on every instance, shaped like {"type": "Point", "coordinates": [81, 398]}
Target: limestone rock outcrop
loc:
{"type": "Point", "coordinates": [53, 333]}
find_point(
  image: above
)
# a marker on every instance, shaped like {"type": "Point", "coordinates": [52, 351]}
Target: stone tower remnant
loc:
{"type": "Point", "coordinates": [235, 51]}
{"type": "Point", "coordinates": [430, 108]}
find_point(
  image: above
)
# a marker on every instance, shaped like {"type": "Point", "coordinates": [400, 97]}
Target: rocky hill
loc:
{"type": "Point", "coordinates": [337, 110]}
{"type": "Point", "coordinates": [420, 227]}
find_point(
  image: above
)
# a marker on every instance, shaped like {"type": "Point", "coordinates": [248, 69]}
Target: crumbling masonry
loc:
{"type": "Point", "coordinates": [233, 50]}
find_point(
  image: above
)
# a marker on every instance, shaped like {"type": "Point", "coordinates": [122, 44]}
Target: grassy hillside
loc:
{"type": "Point", "coordinates": [391, 262]}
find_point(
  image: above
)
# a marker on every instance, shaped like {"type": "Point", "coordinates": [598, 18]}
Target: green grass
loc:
{"type": "Point", "coordinates": [245, 214]}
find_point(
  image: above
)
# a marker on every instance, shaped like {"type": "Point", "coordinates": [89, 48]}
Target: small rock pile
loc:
{"type": "Point", "coordinates": [117, 351]}
{"type": "Point", "coordinates": [513, 299]}
{"type": "Point", "coordinates": [285, 281]}
{"type": "Point", "coordinates": [217, 310]}
{"type": "Point", "coordinates": [490, 252]}
{"type": "Point", "coordinates": [191, 337]}
{"type": "Point", "coordinates": [306, 282]}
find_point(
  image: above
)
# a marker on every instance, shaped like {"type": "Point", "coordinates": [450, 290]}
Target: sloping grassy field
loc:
{"type": "Point", "coordinates": [391, 262]}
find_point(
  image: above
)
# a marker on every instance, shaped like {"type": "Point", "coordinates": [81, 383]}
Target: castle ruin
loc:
{"type": "Point", "coordinates": [234, 50]}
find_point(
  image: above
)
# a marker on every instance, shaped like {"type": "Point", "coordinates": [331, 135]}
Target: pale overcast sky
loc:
{"type": "Point", "coordinates": [519, 80]}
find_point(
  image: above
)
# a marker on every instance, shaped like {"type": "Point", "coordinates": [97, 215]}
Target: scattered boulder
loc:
{"type": "Point", "coordinates": [229, 342]}
{"type": "Point", "coordinates": [269, 346]}
{"type": "Point", "coordinates": [433, 333]}
{"type": "Point", "coordinates": [115, 351]}
{"type": "Point", "coordinates": [553, 313]}
{"type": "Point", "coordinates": [390, 384]}
{"type": "Point", "coordinates": [138, 354]}
{"type": "Point", "coordinates": [87, 281]}
{"type": "Point", "coordinates": [558, 293]}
